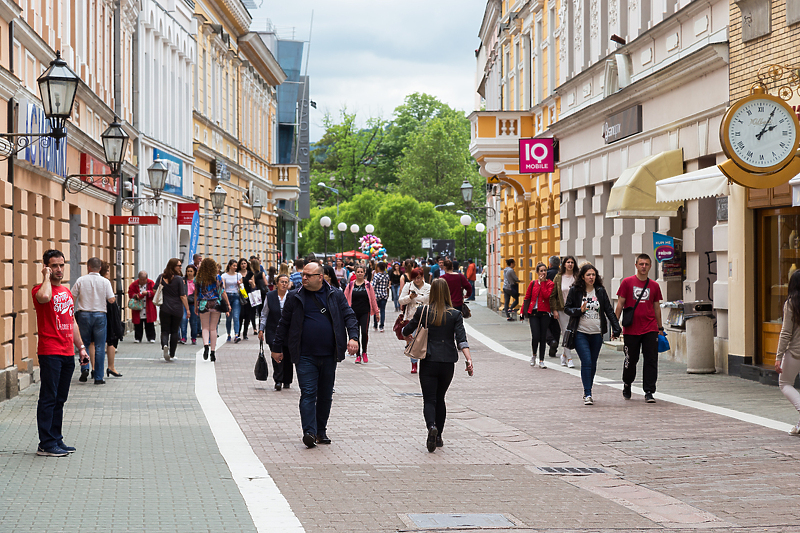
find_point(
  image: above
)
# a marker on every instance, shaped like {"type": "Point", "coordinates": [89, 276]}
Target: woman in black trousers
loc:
{"type": "Point", "coordinates": [282, 372]}
{"type": "Point", "coordinates": [173, 307]}
{"type": "Point", "coordinates": [446, 335]}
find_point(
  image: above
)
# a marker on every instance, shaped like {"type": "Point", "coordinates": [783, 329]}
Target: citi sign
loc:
{"type": "Point", "coordinates": [536, 156]}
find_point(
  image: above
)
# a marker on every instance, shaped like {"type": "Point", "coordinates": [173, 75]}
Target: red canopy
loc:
{"type": "Point", "coordinates": [353, 253]}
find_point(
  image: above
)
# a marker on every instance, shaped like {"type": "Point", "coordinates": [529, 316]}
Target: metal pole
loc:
{"type": "Point", "coordinates": [465, 243]}
{"type": "Point", "coordinates": [342, 234]}
{"type": "Point", "coordinates": [325, 236]}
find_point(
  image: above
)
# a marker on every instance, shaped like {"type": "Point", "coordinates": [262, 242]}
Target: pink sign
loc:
{"type": "Point", "coordinates": [536, 156]}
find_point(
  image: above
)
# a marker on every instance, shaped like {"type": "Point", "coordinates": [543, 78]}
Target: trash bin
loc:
{"type": "Point", "coordinates": [699, 317]}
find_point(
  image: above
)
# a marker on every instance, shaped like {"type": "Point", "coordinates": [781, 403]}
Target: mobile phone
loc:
{"type": "Point", "coordinates": [468, 371]}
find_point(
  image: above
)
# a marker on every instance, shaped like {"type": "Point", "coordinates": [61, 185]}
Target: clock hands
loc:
{"type": "Point", "coordinates": [764, 129]}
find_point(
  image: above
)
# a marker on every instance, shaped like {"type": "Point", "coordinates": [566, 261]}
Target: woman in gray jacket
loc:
{"type": "Point", "coordinates": [787, 360]}
{"type": "Point", "coordinates": [446, 335]}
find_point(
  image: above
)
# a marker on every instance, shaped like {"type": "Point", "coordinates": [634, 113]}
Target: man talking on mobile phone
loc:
{"type": "Point", "coordinates": [58, 338]}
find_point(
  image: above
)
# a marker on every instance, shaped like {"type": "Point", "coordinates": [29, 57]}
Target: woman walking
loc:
{"type": "Point", "coordinates": [329, 275]}
{"type": "Point", "coordinates": [191, 322]}
{"type": "Point", "coordinates": [207, 304]}
{"type": "Point", "coordinates": [446, 335]}
{"type": "Point", "coordinates": [115, 329]}
{"type": "Point", "coordinates": [231, 281]}
{"type": "Point", "coordinates": [510, 288]}
{"type": "Point", "coordinates": [415, 294]}
{"type": "Point", "coordinates": [394, 277]}
{"type": "Point", "coordinates": [787, 360]}
{"type": "Point", "coordinates": [536, 306]}
{"type": "Point", "coordinates": [271, 273]}
{"type": "Point", "coordinates": [143, 289]}
{"type": "Point", "coordinates": [561, 285]}
{"type": "Point", "coordinates": [282, 372]}
{"type": "Point", "coordinates": [458, 284]}
{"type": "Point", "coordinates": [175, 303]}
{"type": "Point", "coordinates": [247, 315]}
{"type": "Point", "coordinates": [588, 300]}
{"type": "Point", "coordinates": [361, 298]}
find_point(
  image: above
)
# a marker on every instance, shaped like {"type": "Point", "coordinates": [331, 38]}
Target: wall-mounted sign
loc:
{"type": "Point", "coordinates": [134, 221]}
{"type": "Point", "coordinates": [174, 183]}
{"type": "Point", "coordinates": [186, 212]}
{"type": "Point", "coordinates": [624, 124]}
{"type": "Point", "coordinates": [92, 165]}
{"type": "Point", "coordinates": [536, 156]}
{"type": "Point", "coordinates": [664, 247]}
{"type": "Point", "coordinates": [41, 152]}
{"type": "Point", "coordinates": [220, 171]}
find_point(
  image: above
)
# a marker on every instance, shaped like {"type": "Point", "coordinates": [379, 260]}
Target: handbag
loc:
{"type": "Point", "coordinates": [663, 344]}
{"type": "Point", "coordinates": [222, 306]}
{"type": "Point", "coordinates": [136, 304]}
{"type": "Point", "coordinates": [568, 339]}
{"type": "Point", "coordinates": [399, 324]}
{"type": "Point", "coordinates": [158, 299]}
{"type": "Point", "coordinates": [418, 347]}
{"type": "Point", "coordinates": [255, 298]}
{"type": "Point", "coordinates": [627, 312]}
{"type": "Point", "coordinates": [261, 370]}
{"type": "Point", "coordinates": [466, 312]}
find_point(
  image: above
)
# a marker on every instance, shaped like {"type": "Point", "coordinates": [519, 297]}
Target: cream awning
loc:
{"type": "Point", "coordinates": [704, 183]}
{"type": "Point", "coordinates": [634, 193]}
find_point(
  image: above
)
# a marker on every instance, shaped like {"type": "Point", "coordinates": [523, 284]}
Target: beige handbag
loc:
{"type": "Point", "coordinates": [418, 347]}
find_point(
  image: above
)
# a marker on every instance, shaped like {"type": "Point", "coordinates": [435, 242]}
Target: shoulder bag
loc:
{"type": "Point", "coordinates": [466, 312]}
{"type": "Point", "coordinates": [223, 306]}
{"type": "Point", "coordinates": [627, 312]}
{"type": "Point", "coordinates": [158, 299]}
{"type": "Point", "coordinates": [262, 369]}
{"type": "Point", "coordinates": [399, 324]}
{"type": "Point", "coordinates": [568, 339]}
{"type": "Point", "coordinates": [418, 347]}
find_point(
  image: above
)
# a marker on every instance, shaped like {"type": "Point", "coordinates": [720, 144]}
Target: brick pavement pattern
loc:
{"type": "Point", "coordinates": [668, 466]}
{"type": "Point", "coordinates": [146, 458]}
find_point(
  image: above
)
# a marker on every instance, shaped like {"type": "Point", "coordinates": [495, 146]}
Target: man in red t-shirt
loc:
{"type": "Point", "coordinates": [643, 333]}
{"type": "Point", "coordinates": [58, 338]}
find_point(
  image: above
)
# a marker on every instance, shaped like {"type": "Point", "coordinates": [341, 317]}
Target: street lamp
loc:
{"type": "Point", "coordinates": [354, 229]}
{"type": "Point", "coordinates": [465, 220]}
{"type": "Point", "coordinates": [448, 204]}
{"type": "Point", "coordinates": [115, 141]}
{"type": "Point", "coordinates": [369, 228]}
{"type": "Point", "coordinates": [218, 199]}
{"type": "Point", "coordinates": [157, 173]}
{"type": "Point", "coordinates": [342, 228]}
{"type": "Point", "coordinates": [325, 222]}
{"type": "Point", "coordinates": [256, 208]}
{"type": "Point", "coordinates": [466, 191]}
{"type": "Point", "coordinates": [333, 190]}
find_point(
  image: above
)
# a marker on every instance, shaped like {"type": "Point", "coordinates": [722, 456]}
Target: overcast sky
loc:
{"type": "Point", "coordinates": [368, 55]}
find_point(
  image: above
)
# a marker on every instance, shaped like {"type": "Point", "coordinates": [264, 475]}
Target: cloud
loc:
{"type": "Point", "coordinates": [369, 55]}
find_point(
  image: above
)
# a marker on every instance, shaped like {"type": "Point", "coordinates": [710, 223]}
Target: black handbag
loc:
{"type": "Point", "coordinates": [466, 312]}
{"type": "Point", "coordinates": [262, 369]}
{"type": "Point", "coordinates": [568, 339]}
{"type": "Point", "coordinates": [627, 312]}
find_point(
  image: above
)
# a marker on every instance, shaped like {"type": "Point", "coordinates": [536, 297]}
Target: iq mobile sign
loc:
{"type": "Point", "coordinates": [536, 156]}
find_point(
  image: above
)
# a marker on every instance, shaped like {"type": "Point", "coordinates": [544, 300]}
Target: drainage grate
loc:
{"type": "Point", "coordinates": [419, 394]}
{"type": "Point", "coordinates": [434, 521]}
{"type": "Point", "coordinates": [569, 470]}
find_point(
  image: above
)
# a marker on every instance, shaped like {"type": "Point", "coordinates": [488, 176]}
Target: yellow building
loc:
{"type": "Point", "coordinates": [518, 70]}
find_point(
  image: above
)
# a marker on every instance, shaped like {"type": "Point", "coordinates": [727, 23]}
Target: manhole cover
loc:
{"type": "Point", "coordinates": [569, 470]}
{"type": "Point", "coordinates": [432, 521]}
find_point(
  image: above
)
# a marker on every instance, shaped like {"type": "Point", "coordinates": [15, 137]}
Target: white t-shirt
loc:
{"type": "Point", "coordinates": [566, 283]}
{"type": "Point", "coordinates": [590, 321]}
{"type": "Point", "coordinates": [231, 282]}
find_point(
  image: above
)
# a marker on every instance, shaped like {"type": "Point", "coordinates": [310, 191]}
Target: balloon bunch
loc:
{"type": "Point", "coordinates": [371, 245]}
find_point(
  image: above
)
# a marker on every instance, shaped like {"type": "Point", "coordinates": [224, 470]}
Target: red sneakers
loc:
{"type": "Point", "coordinates": [358, 359]}
{"type": "Point", "coordinates": [364, 358]}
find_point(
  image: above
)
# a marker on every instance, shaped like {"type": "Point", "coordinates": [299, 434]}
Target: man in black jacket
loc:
{"type": "Point", "coordinates": [315, 326]}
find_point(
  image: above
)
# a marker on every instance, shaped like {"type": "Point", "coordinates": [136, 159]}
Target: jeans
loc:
{"type": "Point", "coordinates": [170, 329]}
{"type": "Point", "coordinates": [539, 322]}
{"type": "Point", "coordinates": [382, 307]}
{"type": "Point", "coordinates": [648, 344]}
{"type": "Point", "coordinates": [55, 373]}
{"type": "Point", "coordinates": [396, 297]}
{"type": "Point", "coordinates": [316, 376]}
{"type": "Point", "coordinates": [236, 311]}
{"type": "Point", "coordinates": [472, 298]}
{"type": "Point", "coordinates": [509, 294]}
{"type": "Point", "coordinates": [434, 380]}
{"type": "Point", "coordinates": [588, 348]}
{"type": "Point", "coordinates": [92, 326]}
{"type": "Point", "coordinates": [192, 321]}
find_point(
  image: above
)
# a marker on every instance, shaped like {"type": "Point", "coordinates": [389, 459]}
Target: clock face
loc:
{"type": "Point", "coordinates": [762, 134]}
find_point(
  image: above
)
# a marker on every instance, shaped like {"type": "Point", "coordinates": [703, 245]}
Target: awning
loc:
{"type": "Point", "coordinates": [286, 215]}
{"type": "Point", "coordinates": [634, 193]}
{"type": "Point", "coordinates": [704, 183]}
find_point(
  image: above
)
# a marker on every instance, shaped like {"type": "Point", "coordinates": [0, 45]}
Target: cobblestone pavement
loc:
{"type": "Point", "coordinates": [146, 458]}
{"type": "Point", "coordinates": [667, 466]}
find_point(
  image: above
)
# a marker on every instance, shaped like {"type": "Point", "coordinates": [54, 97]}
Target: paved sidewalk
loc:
{"type": "Point", "coordinates": [146, 458]}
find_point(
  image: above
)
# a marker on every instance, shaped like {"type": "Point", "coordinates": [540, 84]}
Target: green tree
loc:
{"type": "Point", "coordinates": [476, 242]}
{"type": "Point", "coordinates": [402, 222]}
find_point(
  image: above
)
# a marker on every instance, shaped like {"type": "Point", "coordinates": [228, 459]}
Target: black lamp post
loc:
{"type": "Point", "coordinates": [465, 220]}
{"type": "Point", "coordinates": [115, 142]}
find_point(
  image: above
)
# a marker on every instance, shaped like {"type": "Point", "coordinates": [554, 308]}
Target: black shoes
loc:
{"type": "Point", "coordinates": [205, 352]}
{"type": "Point", "coordinates": [277, 386]}
{"type": "Point", "coordinates": [439, 441]}
{"type": "Point", "coordinates": [99, 382]}
{"type": "Point", "coordinates": [213, 356]}
{"type": "Point", "coordinates": [433, 433]}
{"type": "Point", "coordinates": [110, 372]}
{"type": "Point", "coordinates": [309, 440]}
{"type": "Point", "coordinates": [553, 348]}
{"type": "Point", "coordinates": [84, 375]}
{"type": "Point", "coordinates": [648, 397]}
{"type": "Point", "coordinates": [626, 391]}
{"type": "Point", "coordinates": [322, 438]}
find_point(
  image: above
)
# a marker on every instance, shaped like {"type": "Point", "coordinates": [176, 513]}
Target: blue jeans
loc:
{"type": "Point", "coordinates": [55, 373]}
{"type": "Point", "coordinates": [236, 311]}
{"type": "Point", "coordinates": [472, 282]}
{"type": "Point", "coordinates": [588, 348]}
{"type": "Point", "coordinates": [396, 297]}
{"type": "Point", "coordinates": [193, 321]}
{"type": "Point", "coordinates": [315, 375]}
{"type": "Point", "coordinates": [92, 326]}
{"type": "Point", "coordinates": [382, 307]}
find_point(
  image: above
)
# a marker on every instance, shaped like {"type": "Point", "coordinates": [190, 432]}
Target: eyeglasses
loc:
{"type": "Point", "coordinates": [310, 275]}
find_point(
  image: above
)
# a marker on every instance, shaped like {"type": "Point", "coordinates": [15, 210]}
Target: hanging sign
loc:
{"type": "Point", "coordinates": [186, 212]}
{"type": "Point", "coordinates": [664, 247]}
{"type": "Point", "coordinates": [92, 165]}
{"type": "Point", "coordinates": [536, 156]}
{"type": "Point", "coordinates": [174, 183]}
{"type": "Point", "coordinates": [134, 221]}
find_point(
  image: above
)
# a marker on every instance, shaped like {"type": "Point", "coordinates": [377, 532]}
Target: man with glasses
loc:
{"type": "Point", "coordinates": [317, 326]}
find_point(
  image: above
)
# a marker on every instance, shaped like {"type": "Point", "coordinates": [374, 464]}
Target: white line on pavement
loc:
{"type": "Point", "coordinates": [730, 413]}
{"type": "Point", "coordinates": [268, 508]}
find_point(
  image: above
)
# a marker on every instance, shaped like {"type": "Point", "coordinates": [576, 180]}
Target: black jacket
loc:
{"type": "Point", "coordinates": [572, 306]}
{"type": "Point", "coordinates": [290, 328]}
{"type": "Point", "coordinates": [444, 340]}
{"type": "Point", "coordinates": [115, 330]}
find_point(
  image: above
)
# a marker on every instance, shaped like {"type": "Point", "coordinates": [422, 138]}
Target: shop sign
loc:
{"type": "Point", "coordinates": [92, 165]}
{"type": "Point", "coordinates": [536, 156]}
{"type": "Point", "coordinates": [186, 212]}
{"type": "Point", "coordinates": [220, 171]}
{"type": "Point", "coordinates": [664, 247]}
{"type": "Point", "coordinates": [41, 152]}
{"type": "Point", "coordinates": [174, 183]}
{"type": "Point", "coordinates": [624, 124]}
{"type": "Point", "coordinates": [134, 221]}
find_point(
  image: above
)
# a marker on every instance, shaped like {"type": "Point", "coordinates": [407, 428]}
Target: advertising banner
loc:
{"type": "Point", "coordinates": [536, 156]}
{"type": "Point", "coordinates": [174, 183]}
{"type": "Point", "coordinates": [664, 247]}
{"type": "Point", "coordinates": [134, 221]}
{"type": "Point", "coordinates": [186, 212]}
{"type": "Point", "coordinates": [92, 165]}
{"type": "Point", "coordinates": [195, 234]}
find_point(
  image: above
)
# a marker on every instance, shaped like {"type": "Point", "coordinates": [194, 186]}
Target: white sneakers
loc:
{"type": "Point", "coordinates": [570, 364]}
{"type": "Point", "coordinates": [541, 364]}
{"type": "Point", "coordinates": [795, 430]}
{"type": "Point", "coordinates": [587, 400]}
{"type": "Point", "coordinates": [533, 360]}
{"type": "Point", "coordinates": [563, 360]}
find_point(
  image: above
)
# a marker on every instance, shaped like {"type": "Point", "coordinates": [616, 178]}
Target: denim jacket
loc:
{"type": "Point", "coordinates": [444, 340]}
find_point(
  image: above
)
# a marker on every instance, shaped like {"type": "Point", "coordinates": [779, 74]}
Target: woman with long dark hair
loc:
{"type": "Point", "coordinates": [787, 360]}
{"type": "Point", "coordinates": [247, 316]}
{"type": "Point", "coordinates": [282, 372]}
{"type": "Point", "coordinates": [231, 281]}
{"type": "Point", "coordinates": [173, 307]}
{"type": "Point", "coordinates": [446, 335]}
{"type": "Point", "coordinates": [589, 301]}
{"type": "Point", "coordinates": [361, 298]}
{"type": "Point", "coordinates": [460, 287]}
{"type": "Point", "coordinates": [536, 306]}
{"type": "Point", "coordinates": [271, 273]}
{"type": "Point", "coordinates": [207, 304]}
{"type": "Point", "coordinates": [192, 321]}
{"type": "Point", "coordinates": [561, 284]}
{"type": "Point", "coordinates": [329, 275]}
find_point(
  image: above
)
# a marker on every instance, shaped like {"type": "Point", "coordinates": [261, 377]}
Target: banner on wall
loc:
{"type": "Point", "coordinates": [663, 247]}
{"type": "Point", "coordinates": [174, 183]}
{"type": "Point", "coordinates": [536, 156]}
